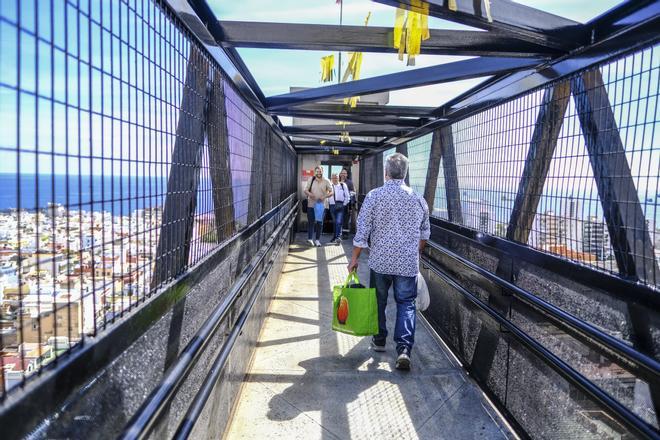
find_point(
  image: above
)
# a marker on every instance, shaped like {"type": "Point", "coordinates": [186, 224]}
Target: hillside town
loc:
{"type": "Point", "coordinates": [65, 274]}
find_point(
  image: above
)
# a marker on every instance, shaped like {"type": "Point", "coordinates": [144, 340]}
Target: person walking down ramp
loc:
{"type": "Point", "coordinates": [393, 223]}
{"type": "Point", "coordinates": [317, 192]}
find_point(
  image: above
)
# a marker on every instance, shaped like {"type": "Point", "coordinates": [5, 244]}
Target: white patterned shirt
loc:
{"type": "Point", "coordinates": [392, 221]}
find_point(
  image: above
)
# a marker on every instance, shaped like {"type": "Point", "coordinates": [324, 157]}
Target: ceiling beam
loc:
{"type": "Point", "coordinates": [513, 19]}
{"type": "Point", "coordinates": [373, 39]}
{"type": "Point", "coordinates": [312, 109]}
{"type": "Point", "coordinates": [381, 120]}
{"type": "Point", "coordinates": [459, 70]}
{"type": "Point", "coordinates": [353, 129]}
{"type": "Point", "coordinates": [354, 146]}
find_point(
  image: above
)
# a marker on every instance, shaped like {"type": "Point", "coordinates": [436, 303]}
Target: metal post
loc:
{"type": "Point", "coordinates": [256, 174]}
{"type": "Point", "coordinates": [454, 209]}
{"type": "Point", "coordinates": [433, 170]}
{"type": "Point", "coordinates": [403, 149]}
{"type": "Point", "coordinates": [537, 163]}
{"type": "Point", "coordinates": [219, 158]}
{"type": "Point", "coordinates": [632, 244]}
{"type": "Point", "coordinates": [181, 200]}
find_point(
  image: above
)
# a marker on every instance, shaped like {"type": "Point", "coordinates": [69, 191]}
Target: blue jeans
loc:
{"type": "Point", "coordinates": [337, 212]}
{"type": "Point", "coordinates": [405, 292]}
{"type": "Point", "coordinates": [313, 225]}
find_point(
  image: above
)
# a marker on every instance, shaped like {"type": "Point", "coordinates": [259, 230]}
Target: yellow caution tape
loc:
{"type": "Point", "coordinates": [452, 5]}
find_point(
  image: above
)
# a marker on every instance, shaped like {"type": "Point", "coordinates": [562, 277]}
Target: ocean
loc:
{"type": "Point", "coordinates": [122, 195]}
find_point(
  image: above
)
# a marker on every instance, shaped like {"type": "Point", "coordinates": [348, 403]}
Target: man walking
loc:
{"type": "Point", "coordinates": [394, 224]}
{"type": "Point", "coordinates": [338, 200]}
{"type": "Point", "coordinates": [349, 206]}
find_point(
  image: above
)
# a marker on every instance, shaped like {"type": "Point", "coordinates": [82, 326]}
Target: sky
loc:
{"type": "Point", "coordinates": [301, 68]}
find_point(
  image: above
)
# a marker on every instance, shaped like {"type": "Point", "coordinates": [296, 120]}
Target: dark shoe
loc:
{"type": "Point", "coordinates": [403, 361]}
{"type": "Point", "coordinates": [377, 347]}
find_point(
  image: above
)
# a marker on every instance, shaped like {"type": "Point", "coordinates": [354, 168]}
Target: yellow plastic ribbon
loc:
{"type": "Point", "coordinates": [399, 20]}
{"type": "Point", "coordinates": [345, 137]}
{"type": "Point", "coordinates": [410, 31]}
{"type": "Point", "coordinates": [327, 66]}
{"type": "Point", "coordinates": [452, 5]}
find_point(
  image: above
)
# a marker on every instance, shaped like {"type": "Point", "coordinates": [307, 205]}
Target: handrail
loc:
{"type": "Point", "coordinates": [144, 419]}
{"type": "Point", "coordinates": [616, 286]}
{"type": "Point", "coordinates": [199, 401]}
{"type": "Point", "coordinates": [645, 366]}
{"type": "Point", "coordinates": [619, 411]}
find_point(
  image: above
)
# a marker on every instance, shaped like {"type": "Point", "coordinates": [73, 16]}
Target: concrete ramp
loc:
{"type": "Point", "coordinates": [308, 382]}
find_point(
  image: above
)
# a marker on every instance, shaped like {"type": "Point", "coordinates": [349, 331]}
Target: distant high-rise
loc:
{"type": "Point", "coordinates": [484, 218]}
{"type": "Point", "coordinates": [595, 238]}
{"type": "Point", "coordinates": [552, 230]}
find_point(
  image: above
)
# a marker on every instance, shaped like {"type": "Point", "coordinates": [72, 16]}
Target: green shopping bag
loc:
{"type": "Point", "coordinates": [354, 309]}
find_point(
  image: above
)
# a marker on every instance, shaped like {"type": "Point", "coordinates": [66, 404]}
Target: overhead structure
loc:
{"type": "Point", "coordinates": [518, 49]}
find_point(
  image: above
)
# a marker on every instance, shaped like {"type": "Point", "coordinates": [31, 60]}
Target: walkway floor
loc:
{"type": "Point", "coordinates": [308, 382]}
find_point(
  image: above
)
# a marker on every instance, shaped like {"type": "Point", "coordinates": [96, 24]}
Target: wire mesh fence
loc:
{"type": "Point", "coordinates": [571, 169]}
{"type": "Point", "coordinates": [125, 158]}
{"type": "Point", "coordinates": [418, 156]}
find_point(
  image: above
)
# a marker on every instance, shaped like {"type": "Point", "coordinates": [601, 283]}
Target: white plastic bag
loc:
{"type": "Point", "coordinates": [423, 299]}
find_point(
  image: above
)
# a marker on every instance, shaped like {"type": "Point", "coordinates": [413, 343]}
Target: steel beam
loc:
{"type": "Point", "coordinates": [181, 199]}
{"type": "Point", "coordinates": [459, 70]}
{"type": "Point", "coordinates": [199, 19]}
{"type": "Point", "coordinates": [333, 143]}
{"type": "Point", "coordinates": [403, 149]}
{"type": "Point", "coordinates": [512, 19]}
{"type": "Point", "coordinates": [622, 18]}
{"type": "Point", "coordinates": [433, 170]}
{"type": "Point", "coordinates": [255, 208]}
{"type": "Point", "coordinates": [353, 129]}
{"type": "Point", "coordinates": [375, 120]}
{"type": "Point", "coordinates": [633, 247]}
{"type": "Point", "coordinates": [219, 161]}
{"type": "Point", "coordinates": [313, 109]}
{"type": "Point", "coordinates": [373, 39]}
{"type": "Point", "coordinates": [452, 190]}
{"type": "Point", "coordinates": [539, 156]}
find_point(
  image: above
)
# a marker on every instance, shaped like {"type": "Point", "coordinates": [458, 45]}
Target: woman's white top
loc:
{"type": "Point", "coordinates": [340, 193]}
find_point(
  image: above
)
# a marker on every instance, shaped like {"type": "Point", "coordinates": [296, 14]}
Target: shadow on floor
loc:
{"type": "Point", "coordinates": [352, 391]}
